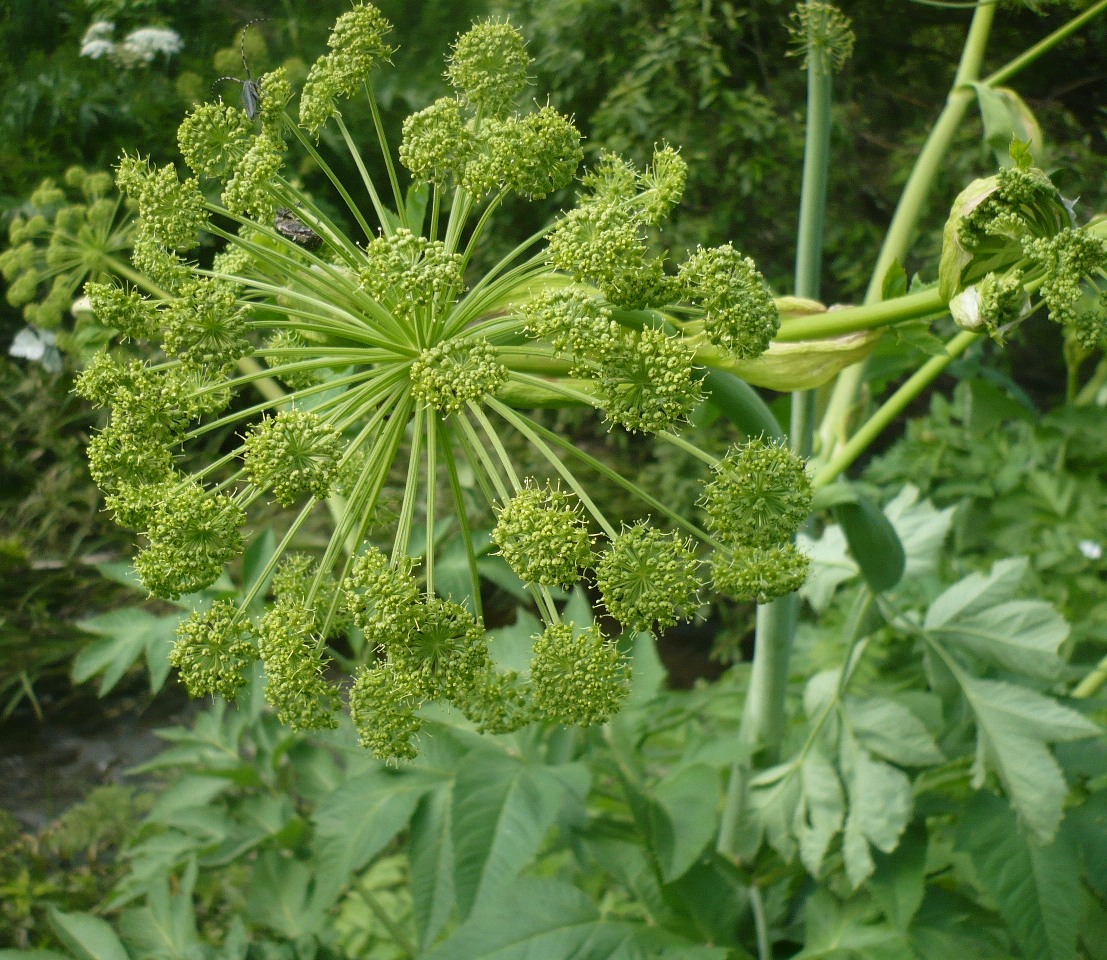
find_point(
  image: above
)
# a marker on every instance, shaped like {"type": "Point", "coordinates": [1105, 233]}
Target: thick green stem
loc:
{"type": "Point", "coordinates": [892, 408]}
{"type": "Point", "coordinates": [905, 219]}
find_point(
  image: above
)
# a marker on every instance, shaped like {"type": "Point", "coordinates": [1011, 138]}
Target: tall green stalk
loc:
{"type": "Point", "coordinates": [764, 717]}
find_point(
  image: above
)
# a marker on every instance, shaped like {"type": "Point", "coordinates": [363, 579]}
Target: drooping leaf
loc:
{"type": "Point", "coordinates": [535, 918]}
{"type": "Point", "coordinates": [879, 810]}
{"type": "Point", "coordinates": [821, 810]}
{"type": "Point", "coordinates": [1014, 725]}
{"type": "Point", "coordinates": [1035, 886]}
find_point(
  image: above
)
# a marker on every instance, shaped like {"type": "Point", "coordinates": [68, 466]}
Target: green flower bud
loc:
{"type": "Point", "coordinates": [576, 325]}
{"type": "Point", "coordinates": [648, 384]}
{"type": "Point", "coordinates": [295, 682]}
{"type": "Point", "coordinates": [294, 454]}
{"type": "Point", "coordinates": [436, 143]}
{"type": "Point", "coordinates": [212, 652]}
{"type": "Point", "coordinates": [543, 536]}
{"type": "Point", "coordinates": [578, 678]}
{"type": "Point", "coordinates": [488, 67]}
{"type": "Point", "coordinates": [205, 327]}
{"type": "Point", "coordinates": [383, 701]}
{"type": "Point", "coordinates": [647, 576]}
{"type": "Point", "coordinates": [446, 649]}
{"type": "Point", "coordinates": [249, 190]}
{"type": "Point", "coordinates": [740, 316]}
{"type": "Point", "coordinates": [760, 574]}
{"type": "Point", "coordinates": [760, 496]}
{"type": "Point", "coordinates": [405, 272]}
{"type": "Point", "coordinates": [381, 597]}
{"type": "Point", "coordinates": [192, 536]}
{"type": "Point", "coordinates": [170, 211]}
{"type": "Point", "coordinates": [214, 139]}
{"type": "Point", "coordinates": [452, 374]}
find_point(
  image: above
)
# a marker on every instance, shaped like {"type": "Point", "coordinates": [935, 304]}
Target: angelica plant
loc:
{"type": "Point", "coordinates": [377, 347]}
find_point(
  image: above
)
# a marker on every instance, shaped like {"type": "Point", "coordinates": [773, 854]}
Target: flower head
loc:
{"type": "Point", "coordinates": [578, 677]}
{"type": "Point", "coordinates": [543, 536]}
{"type": "Point", "coordinates": [647, 576]}
{"type": "Point", "coordinates": [212, 651]}
{"type": "Point", "coordinates": [760, 496]}
{"type": "Point", "coordinates": [760, 574]}
{"type": "Point", "coordinates": [489, 66]}
{"type": "Point", "coordinates": [294, 454]}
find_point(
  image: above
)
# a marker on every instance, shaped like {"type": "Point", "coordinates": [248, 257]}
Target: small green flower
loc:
{"type": "Point", "coordinates": [760, 574]}
{"type": "Point", "coordinates": [171, 211]}
{"type": "Point", "coordinates": [205, 326]}
{"type": "Point", "coordinates": [760, 496]}
{"type": "Point", "coordinates": [648, 383]}
{"type": "Point", "coordinates": [578, 677]}
{"type": "Point", "coordinates": [489, 66]}
{"type": "Point", "coordinates": [543, 536]}
{"type": "Point", "coordinates": [499, 703]}
{"type": "Point", "coordinates": [450, 375]}
{"type": "Point", "coordinates": [192, 536]}
{"type": "Point", "coordinates": [406, 272]}
{"type": "Point", "coordinates": [576, 324]}
{"type": "Point", "coordinates": [214, 139]}
{"type": "Point", "coordinates": [294, 454]}
{"type": "Point", "coordinates": [739, 315]}
{"type": "Point", "coordinates": [647, 576]}
{"type": "Point", "coordinates": [446, 650]}
{"type": "Point", "coordinates": [212, 652]}
{"type": "Point", "coordinates": [125, 310]}
{"type": "Point", "coordinates": [249, 190]}
{"type": "Point", "coordinates": [603, 244]}
{"type": "Point", "coordinates": [381, 597]}
{"type": "Point", "coordinates": [357, 44]}
{"type": "Point", "coordinates": [383, 704]}
{"type": "Point", "coordinates": [437, 144]}
{"type": "Point", "coordinates": [533, 155]}
{"type": "Point", "coordinates": [295, 681]}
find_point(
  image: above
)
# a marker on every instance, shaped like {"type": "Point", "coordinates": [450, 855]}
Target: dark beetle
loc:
{"type": "Point", "coordinates": [288, 225]}
{"type": "Point", "coordinates": [251, 89]}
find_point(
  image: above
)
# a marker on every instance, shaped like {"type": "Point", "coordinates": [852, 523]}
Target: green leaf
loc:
{"type": "Point", "coordinates": [678, 819]}
{"type": "Point", "coordinates": [872, 540]}
{"type": "Point", "coordinates": [536, 919]}
{"type": "Point", "coordinates": [1006, 117]}
{"type": "Point", "coordinates": [281, 897]}
{"type": "Point", "coordinates": [1089, 822]}
{"type": "Point", "coordinates": [890, 730]}
{"type": "Point", "coordinates": [922, 529]}
{"type": "Point", "coordinates": [163, 929]}
{"type": "Point", "coordinates": [879, 811]}
{"type": "Point", "coordinates": [85, 936]}
{"type": "Point", "coordinates": [1020, 635]}
{"type": "Point", "coordinates": [127, 634]}
{"type": "Point", "coordinates": [359, 819]}
{"type": "Point", "coordinates": [977, 592]}
{"type": "Point", "coordinates": [898, 882]}
{"type": "Point", "coordinates": [431, 859]}
{"type": "Point", "coordinates": [33, 955]}
{"type": "Point", "coordinates": [1013, 726]}
{"type": "Point", "coordinates": [1036, 887]}
{"type": "Point", "coordinates": [848, 931]}
{"type": "Point", "coordinates": [502, 810]}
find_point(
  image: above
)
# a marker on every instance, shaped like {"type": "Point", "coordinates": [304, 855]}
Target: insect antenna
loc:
{"type": "Point", "coordinates": [251, 89]}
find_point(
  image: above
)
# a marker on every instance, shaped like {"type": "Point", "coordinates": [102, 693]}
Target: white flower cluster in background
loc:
{"type": "Point", "coordinates": [139, 47]}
